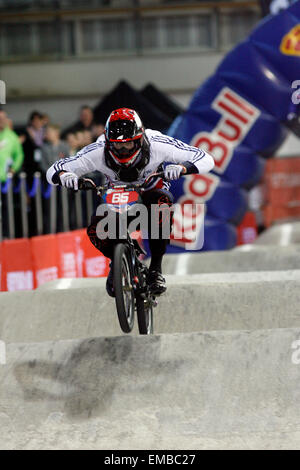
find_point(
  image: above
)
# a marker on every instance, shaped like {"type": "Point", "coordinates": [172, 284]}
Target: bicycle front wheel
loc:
{"type": "Point", "coordinates": [144, 310]}
{"type": "Point", "coordinates": [123, 287]}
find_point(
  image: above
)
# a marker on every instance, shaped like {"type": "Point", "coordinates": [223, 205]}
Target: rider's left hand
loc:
{"type": "Point", "coordinates": [173, 172]}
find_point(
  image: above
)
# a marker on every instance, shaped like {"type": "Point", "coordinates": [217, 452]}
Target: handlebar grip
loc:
{"type": "Point", "coordinates": [86, 184]}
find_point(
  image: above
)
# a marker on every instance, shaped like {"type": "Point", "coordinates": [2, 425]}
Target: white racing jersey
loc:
{"type": "Point", "coordinates": [162, 149]}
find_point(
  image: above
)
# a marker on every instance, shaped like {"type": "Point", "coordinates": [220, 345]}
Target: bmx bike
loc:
{"type": "Point", "coordinates": [132, 292]}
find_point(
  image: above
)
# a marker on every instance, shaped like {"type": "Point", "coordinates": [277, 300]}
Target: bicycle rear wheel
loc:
{"type": "Point", "coordinates": [144, 309]}
{"type": "Point", "coordinates": [123, 287]}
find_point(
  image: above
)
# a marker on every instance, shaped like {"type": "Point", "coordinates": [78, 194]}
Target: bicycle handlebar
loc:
{"type": "Point", "coordinates": [85, 184]}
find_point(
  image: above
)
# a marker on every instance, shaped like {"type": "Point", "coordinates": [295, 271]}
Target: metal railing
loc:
{"type": "Point", "coordinates": [39, 208]}
{"type": "Point", "coordinates": [10, 5]}
{"type": "Point", "coordinates": [40, 5]}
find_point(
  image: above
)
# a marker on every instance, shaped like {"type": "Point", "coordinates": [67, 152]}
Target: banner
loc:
{"type": "Point", "coordinates": [28, 263]}
{"type": "Point", "coordinates": [95, 264]}
{"type": "Point", "coordinates": [282, 189]}
{"type": "Point", "coordinates": [69, 259]}
{"type": "Point", "coordinates": [1, 268]}
{"type": "Point", "coordinates": [17, 265]}
{"type": "Point", "coordinates": [46, 264]}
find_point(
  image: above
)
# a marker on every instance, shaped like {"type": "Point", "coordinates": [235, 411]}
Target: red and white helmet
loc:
{"type": "Point", "coordinates": [124, 125]}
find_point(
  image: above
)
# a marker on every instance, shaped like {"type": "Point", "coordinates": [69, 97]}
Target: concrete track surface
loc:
{"type": "Point", "coordinates": [190, 305]}
{"type": "Point", "coordinates": [222, 370]}
{"type": "Point", "coordinates": [245, 259]}
{"type": "Point", "coordinates": [283, 234]}
{"type": "Point", "coordinates": [185, 391]}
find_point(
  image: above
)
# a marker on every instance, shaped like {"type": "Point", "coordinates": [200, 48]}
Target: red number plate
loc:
{"type": "Point", "coordinates": [120, 197]}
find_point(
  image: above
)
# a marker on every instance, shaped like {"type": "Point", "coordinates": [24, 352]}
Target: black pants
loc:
{"type": "Point", "coordinates": [163, 200]}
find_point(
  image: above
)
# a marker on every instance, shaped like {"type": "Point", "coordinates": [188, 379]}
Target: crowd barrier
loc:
{"type": "Point", "coordinates": [27, 263]}
{"type": "Point", "coordinates": [31, 207]}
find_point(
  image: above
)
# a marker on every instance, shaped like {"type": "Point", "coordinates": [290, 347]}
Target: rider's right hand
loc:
{"type": "Point", "coordinates": [69, 180]}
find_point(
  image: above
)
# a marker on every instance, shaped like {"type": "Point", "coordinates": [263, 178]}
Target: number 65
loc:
{"type": "Point", "coordinates": [120, 198]}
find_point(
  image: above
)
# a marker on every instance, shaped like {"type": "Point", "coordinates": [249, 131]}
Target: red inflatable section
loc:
{"type": "Point", "coordinates": [28, 263]}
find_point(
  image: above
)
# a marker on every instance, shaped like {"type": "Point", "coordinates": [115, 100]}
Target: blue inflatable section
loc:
{"type": "Point", "coordinates": [218, 236]}
{"type": "Point", "coordinates": [238, 116]}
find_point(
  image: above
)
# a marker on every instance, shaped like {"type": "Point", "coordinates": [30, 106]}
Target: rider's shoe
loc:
{"type": "Point", "coordinates": [110, 282]}
{"type": "Point", "coordinates": [157, 283]}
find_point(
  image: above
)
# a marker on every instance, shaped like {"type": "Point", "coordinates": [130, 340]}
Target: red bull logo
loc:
{"type": "Point", "coordinates": [188, 221]}
{"type": "Point", "coordinates": [290, 43]}
{"type": "Point", "coordinates": [238, 117]}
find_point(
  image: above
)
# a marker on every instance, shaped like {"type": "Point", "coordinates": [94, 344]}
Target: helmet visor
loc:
{"type": "Point", "coordinates": [121, 130]}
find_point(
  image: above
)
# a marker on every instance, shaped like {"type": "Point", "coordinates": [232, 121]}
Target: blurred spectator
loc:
{"type": "Point", "coordinates": [54, 148]}
{"type": "Point", "coordinates": [10, 124]}
{"type": "Point", "coordinates": [11, 153]}
{"type": "Point", "coordinates": [86, 118]}
{"type": "Point", "coordinates": [86, 121]}
{"type": "Point", "coordinates": [45, 120]}
{"type": "Point", "coordinates": [87, 138]}
{"type": "Point", "coordinates": [80, 139]}
{"type": "Point", "coordinates": [22, 138]}
{"type": "Point", "coordinates": [33, 139]}
{"type": "Point", "coordinates": [36, 128]}
{"type": "Point", "coordinates": [73, 143]}
{"type": "Point", "coordinates": [97, 130]}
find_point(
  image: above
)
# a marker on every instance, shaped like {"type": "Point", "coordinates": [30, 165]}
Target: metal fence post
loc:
{"type": "Point", "coordinates": [38, 204]}
{"type": "Point", "coordinates": [24, 204]}
{"type": "Point", "coordinates": [89, 206]}
{"type": "Point", "coordinates": [53, 209]}
{"type": "Point", "coordinates": [65, 209]}
{"type": "Point", "coordinates": [78, 210]}
{"type": "Point", "coordinates": [10, 208]}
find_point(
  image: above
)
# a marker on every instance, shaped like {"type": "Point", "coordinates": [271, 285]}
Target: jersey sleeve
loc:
{"type": "Point", "coordinates": [80, 164]}
{"type": "Point", "coordinates": [172, 150]}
